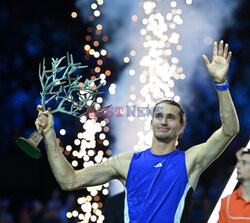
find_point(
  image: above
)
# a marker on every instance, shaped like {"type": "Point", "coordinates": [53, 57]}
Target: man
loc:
{"type": "Point", "coordinates": [235, 208]}
{"type": "Point", "coordinates": [159, 181]}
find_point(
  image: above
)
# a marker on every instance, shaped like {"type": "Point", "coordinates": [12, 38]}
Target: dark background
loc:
{"type": "Point", "coordinates": [31, 30]}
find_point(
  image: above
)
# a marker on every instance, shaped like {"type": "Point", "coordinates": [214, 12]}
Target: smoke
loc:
{"type": "Point", "coordinates": [203, 23]}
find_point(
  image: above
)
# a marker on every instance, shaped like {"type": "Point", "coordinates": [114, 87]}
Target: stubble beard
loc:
{"type": "Point", "coordinates": [164, 139]}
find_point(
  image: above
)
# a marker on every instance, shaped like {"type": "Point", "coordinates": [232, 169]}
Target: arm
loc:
{"type": "Point", "coordinates": [201, 156]}
{"type": "Point", "coordinates": [66, 176]}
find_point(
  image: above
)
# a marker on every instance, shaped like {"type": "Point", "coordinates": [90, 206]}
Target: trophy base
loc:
{"type": "Point", "coordinates": [28, 148]}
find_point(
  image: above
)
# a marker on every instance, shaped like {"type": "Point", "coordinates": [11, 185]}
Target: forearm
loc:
{"type": "Point", "coordinates": [67, 177]}
{"type": "Point", "coordinates": [229, 119]}
{"type": "Point", "coordinates": [62, 170]}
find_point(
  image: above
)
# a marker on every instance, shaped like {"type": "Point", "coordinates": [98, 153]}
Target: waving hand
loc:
{"type": "Point", "coordinates": [219, 66]}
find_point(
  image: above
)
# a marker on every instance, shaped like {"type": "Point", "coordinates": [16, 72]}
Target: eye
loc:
{"type": "Point", "coordinates": [171, 117]}
{"type": "Point", "coordinates": [157, 115]}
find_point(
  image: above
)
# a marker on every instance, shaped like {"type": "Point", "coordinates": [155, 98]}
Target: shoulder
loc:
{"type": "Point", "coordinates": [192, 155]}
{"type": "Point", "coordinates": [222, 212]}
{"type": "Point", "coordinates": [233, 196]}
{"type": "Point", "coordinates": [118, 159]}
{"type": "Point", "coordinates": [120, 163]}
{"type": "Point", "coordinates": [122, 157]}
{"type": "Point", "coordinates": [224, 201]}
{"type": "Point", "coordinates": [236, 194]}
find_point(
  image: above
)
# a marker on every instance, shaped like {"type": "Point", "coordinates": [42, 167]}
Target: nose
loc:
{"type": "Point", "coordinates": [237, 165]}
{"type": "Point", "coordinates": [164, 121]}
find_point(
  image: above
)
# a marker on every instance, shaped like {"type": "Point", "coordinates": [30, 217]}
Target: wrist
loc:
{"type": "Point", "coordinates": [220, 82]}
{"type": "Point", "coordinates": [222, 85]}
{"type": "Point", "coordinates": [48, 133]}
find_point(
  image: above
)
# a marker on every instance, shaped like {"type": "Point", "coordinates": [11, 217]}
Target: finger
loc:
{"type": "Point", "coordinates": [43, 115]}
{"type": "Point", "coordinates": [221, 48]}
{"type": "Point", "coordinates": [229, 57]}
{"type": "Point", "coordinates": [43, 119]}
{"type": "Point", "coordinates": [42, 110]}
{"type": "Point", "coordinates": [215, 49]}
{"type": "Point", "coordinates": [205, 59]}
{"type": "Point", "coordinates": [39, 126]}
{"type": "Point", "coordinates": [39, 107]}
{"type": "Point", "coordinates": [41, 122]}
{"type": "Point", "coordinates": [225, 51]}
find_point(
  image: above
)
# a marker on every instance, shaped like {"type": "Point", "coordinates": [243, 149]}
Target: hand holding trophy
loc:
{"type": "Point", "coordinates": [70, 95]}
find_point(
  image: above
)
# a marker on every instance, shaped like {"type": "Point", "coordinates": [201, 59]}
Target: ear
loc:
{"type": "Point", "coordinates": [181, 129]}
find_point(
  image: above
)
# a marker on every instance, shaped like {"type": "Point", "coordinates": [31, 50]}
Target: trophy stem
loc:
{"type": "Point", "coordinates": [29, 145]}
{"type": "Point", "coordinates": [35, 138]}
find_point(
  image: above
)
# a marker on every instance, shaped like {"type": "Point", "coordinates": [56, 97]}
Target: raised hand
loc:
{"type": "Point", "coordinates": [218, 68]}
{"type": "Point", "coordinates": [44, 121]}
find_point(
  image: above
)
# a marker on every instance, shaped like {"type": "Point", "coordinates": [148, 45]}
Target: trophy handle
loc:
{"type": "Point", "coordinates": [29, 145]}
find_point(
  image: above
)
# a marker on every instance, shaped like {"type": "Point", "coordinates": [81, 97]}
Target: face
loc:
{"type": "Point", "coordinates": [243, 167]}
{"type": "Point", "coordinates": [166, 122]}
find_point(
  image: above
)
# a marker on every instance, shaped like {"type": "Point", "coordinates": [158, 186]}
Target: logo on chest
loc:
{"type": "Point", "coordinates": [158, 165]}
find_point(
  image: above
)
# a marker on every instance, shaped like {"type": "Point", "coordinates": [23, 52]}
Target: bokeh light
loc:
{"type": "Point", "coordinates": [73, 15]}
{"type": "Point", "coordinates": [84, 152]}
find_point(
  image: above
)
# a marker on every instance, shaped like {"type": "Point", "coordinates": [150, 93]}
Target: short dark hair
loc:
{"type": "Point", "coordinates": [245, 151]}
{"type": "Point", "coordinates": [172, 102]}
